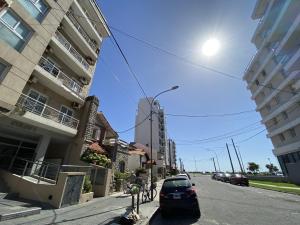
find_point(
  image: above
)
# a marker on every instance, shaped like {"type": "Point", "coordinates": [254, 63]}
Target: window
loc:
{"type": "Point", "coordinates": [263, 94]}
{"type": "Point", "coordinates": [35, 103]}
{"type": "Point", "coordinates": [292, 132]}
{"type": "Point", "coordinates": [275, 121]}
{"type": "Point", "coordinates": [277, 99]}
{"type": "Point", "coordinates": [65, 115]}
{"type": "Point", "coordinates": [268, 107]}
{"type": "Point", "coordinates": [122, 166]}
{"type": "Point", "coordinates": [96, 134]}
{"type": "Point", "coordinates": [282, 138]}
{"type": "Point", "coordinates": [13, 30]}
{"type": "Point", "coordinates": [284, 115]}
{"type": "Point", "coordinates": [256, 82]}
{"type": "Point", "coordinates": [36, 8]}
{"type": "Point", "coordinates": [263, 73]}
{"type": "Point", "coordinates": [3, 70]}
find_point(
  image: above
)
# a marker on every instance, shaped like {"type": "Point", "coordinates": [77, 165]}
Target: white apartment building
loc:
{"type": "Point", "coordinates": [171, 154]}
{"type": "Point", "coordinates": [142, 131]}
{"type": "Point", "coordinates": [273, 78]}
{"type": "Point", "coordinates": [48, 55]}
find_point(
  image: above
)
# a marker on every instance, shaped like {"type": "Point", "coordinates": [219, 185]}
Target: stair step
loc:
{"type": "Point", "coordinates": [22, 212]}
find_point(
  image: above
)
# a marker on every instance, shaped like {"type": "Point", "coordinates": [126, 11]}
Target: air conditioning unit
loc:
{"type": "Point", "coordinates": [32, 80]}
{"type": "Point", "coordinates": [83, 80]}
{"type": "Point", "coordinates": [76, 105]}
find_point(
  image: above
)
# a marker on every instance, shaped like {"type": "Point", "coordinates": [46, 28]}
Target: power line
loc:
{"type": "Point", "coordinates": [210, 115]}
{"type": "Point", "coordinates": [193, 63]}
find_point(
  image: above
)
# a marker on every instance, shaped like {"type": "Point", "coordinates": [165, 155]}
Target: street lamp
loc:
{"type": "Point", "coordinates": [151, 113]}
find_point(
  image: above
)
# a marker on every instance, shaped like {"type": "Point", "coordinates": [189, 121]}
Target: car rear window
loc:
{"type": "Point", "coordinates": [176, 183]}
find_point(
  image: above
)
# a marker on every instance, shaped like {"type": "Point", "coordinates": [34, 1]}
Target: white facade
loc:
{"type": "Point", "coordinates": [171, 154]}
{"type": "Point", "coordinates": [273, 78]}
{"type": "Point", "coordinates": [142, 130]}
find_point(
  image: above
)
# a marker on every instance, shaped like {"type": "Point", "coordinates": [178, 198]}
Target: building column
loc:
{"type": "Point", "coordinates": [40, 151]}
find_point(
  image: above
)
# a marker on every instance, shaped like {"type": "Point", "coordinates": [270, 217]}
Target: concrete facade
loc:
{"type": "Point", "coordinates": [273, 78]}
{"type": "Point", "coordinates": [171, 154]}
{"type": "Point", "coordinates": [48, 55]}
{"type": "Point", "coordinates": [142, 131]}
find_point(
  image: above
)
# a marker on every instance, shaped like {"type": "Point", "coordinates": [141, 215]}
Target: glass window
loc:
{"type": "Point", "coordinates": [176, 183]}
{"type": "Point", "coordinates": [292, 132]}
{"type": "Point", "coordinates": [2, 70]}
{"type": "Point", "coordinates": [35, 102]}
{"type": "Point", "coordinates": [284, 115]}
{"type": "Point", "coordinates": [36, 8]}
{"type": "Point", "coordinates": [13, 30]}
{"type": "Point", "coordinates": [282, 138]}
{"type": "Point", "coordinates": [65, 115]}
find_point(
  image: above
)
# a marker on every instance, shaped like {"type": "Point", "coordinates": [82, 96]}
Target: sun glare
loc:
{"type": "Point", "coordinates": [211, 47]}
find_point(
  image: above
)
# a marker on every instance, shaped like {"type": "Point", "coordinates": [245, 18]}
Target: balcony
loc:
{"type": "Point", "coordinates": [71, 49]}
{"type": "Point", "coordinates": [80, 37]}
{"type": "Point", "coordinates": [44, 116]}
{"type": "Point", "coordinates": [51, 76]}
{"type": "Point", "coordinates": [64, 50]}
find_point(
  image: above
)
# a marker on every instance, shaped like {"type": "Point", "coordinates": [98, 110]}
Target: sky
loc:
{"type": "Point", "coordinates": [181, 27]}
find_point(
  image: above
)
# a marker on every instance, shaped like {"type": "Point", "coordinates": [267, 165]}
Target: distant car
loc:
{"type": "Point", "coordinates": [220, 175]}
{"type": "Point", "coordinates": [178, 193]}
{"type": "Point", "coordinates": [213, 175]}
{"type": "Point", "coordinates": [225, 177]}
{"type": "Point", "coordinates": [239, 179]}
{"type": "Point", "coordinates": [184, 175]}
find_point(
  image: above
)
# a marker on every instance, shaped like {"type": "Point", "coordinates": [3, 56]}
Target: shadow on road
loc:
{"type": "Point", "coordinates": [178, 218]}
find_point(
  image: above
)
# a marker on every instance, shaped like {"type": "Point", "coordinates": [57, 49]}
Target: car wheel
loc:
{"type": "Point", "coordinates": [197, 213]}
{"type": "Point", "coordinates": [163, 213]}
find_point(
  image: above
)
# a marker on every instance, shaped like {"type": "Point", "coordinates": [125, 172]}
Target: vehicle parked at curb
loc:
{"type": "Point", "coordinates": [184, 175]}
{"type": "Point", "coordinates": [213, 175]}
{"type": "Point", "coordinates": [178, 193]}
{"type": "Point", "coordinates": [225, 177]}
{"type": "Point", "coordinates": [219, 176]}
{"type": "Point", "coordinates": [239, 179]}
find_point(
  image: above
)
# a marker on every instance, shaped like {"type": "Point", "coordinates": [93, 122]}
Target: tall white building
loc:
{"type": "Point", "coordinates": [171, 154]}
{"type": "Point", "coordinates": [142, 131]}
{"type": "Point", "coordinates": [273, 78]}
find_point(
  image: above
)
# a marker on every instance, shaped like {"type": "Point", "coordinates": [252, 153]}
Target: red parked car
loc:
{"type": "Point", "coordinates": [239, 179]}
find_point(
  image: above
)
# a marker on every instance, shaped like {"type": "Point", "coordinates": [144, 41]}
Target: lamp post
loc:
{"type": "Point", "coordinates": [151, 113]}
{"type": "Point", "coordinates": [211, 150]}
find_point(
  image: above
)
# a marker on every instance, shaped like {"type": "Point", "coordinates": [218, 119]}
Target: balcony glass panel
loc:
{"type": "Point", "coordinates": [71, 49]}
{"type": "Point", "coordinates": [37, 107]}
{"type": "Point", "coordinates": [56, 72]}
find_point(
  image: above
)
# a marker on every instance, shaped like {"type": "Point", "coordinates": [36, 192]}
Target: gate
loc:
{"type": "Point", "coordinates": [72, 190]}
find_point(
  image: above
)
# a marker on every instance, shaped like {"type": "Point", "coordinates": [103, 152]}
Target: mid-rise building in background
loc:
{"type": "Point", "coordinates": [171, 155]}
{"type": "Point", "coordinates": [273, 78]}
{"type": "Point", "coordinates": [142, 131]}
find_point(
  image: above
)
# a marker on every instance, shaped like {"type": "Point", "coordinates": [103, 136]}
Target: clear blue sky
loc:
{"type": "Point", "coordinates": [181, 27]}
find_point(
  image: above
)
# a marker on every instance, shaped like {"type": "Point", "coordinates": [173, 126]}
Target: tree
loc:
{"type": "Point", "coordinates": [253, 167]}
{"type": "Point", "coordinates": [272, 168]}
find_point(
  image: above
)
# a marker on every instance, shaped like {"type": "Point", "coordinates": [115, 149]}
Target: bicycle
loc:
{"type": "Point", "coordinates": [146, 194]}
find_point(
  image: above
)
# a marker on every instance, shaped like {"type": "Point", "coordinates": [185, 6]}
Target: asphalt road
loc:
{"type": "Point", "coordinates": [226, 204]}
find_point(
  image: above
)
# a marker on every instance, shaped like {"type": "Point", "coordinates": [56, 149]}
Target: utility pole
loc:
{"type": "Point", "coordinates": [213, 159]}
{"type": "Point", "coordinates": [242, 171]}
{"type": "Point", "coordinates": [195, 164]}
{"type": "Point", "coordinates": [241, 158]}
{"type": "Point", "coordinates": [180, 164]}
{"type": "Point", "coordinates": [230, 158]}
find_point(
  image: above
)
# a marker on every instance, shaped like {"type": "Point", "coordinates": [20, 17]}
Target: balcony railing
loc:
{"type": "Point", "coordinates": [81, 31]}
{"type": "Point", "coordinates": [58, 74]}
{"type": "Point", "coordinates": [34, 106]}
{"type": "Point", "coordinates": [71, 49]}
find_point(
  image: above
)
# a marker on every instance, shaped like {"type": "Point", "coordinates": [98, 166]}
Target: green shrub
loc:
{"type": "Point", "coordinates": [87, 185]}
{"type": "Point", "coordinates": [90, 156]}
{"type": "Point", "coordinates": [119, 175]}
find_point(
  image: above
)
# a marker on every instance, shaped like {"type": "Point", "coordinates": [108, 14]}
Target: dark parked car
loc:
{"type": "Point", "coordinates": [213, 175]}
{"type": "Point", "coordinates": [239, 179]}
{"type": "Point", "coordinates": [225, 177]}
{"type": "Point", "coordinates": [178, 193]}
{"type": "Point", "coordinates": [219, 175]}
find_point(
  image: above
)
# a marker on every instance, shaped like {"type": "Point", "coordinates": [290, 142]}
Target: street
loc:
{"type": "Point", "coordinates": [226, 204]}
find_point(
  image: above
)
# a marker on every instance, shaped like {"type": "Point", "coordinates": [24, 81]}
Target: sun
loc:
{"type": "Point", "coordinates": [211, 47]}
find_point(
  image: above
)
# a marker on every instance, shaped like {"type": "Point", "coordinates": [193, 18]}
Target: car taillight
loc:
{"type": "Point", "coordinates": [162, 195]}
{"type": "Point", "coordinates": [190, 192]}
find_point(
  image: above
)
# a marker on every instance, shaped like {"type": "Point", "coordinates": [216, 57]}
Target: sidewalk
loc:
{"type": "Point", "coordinates": [105, 210]}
